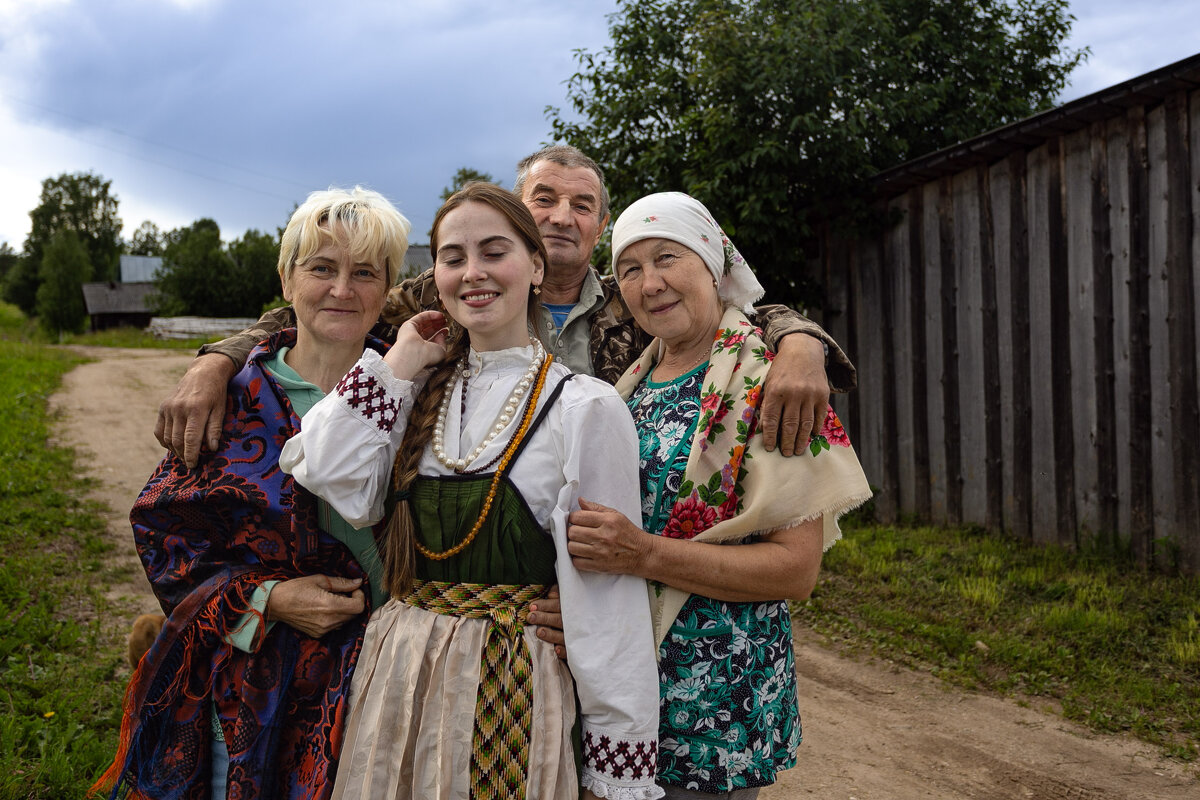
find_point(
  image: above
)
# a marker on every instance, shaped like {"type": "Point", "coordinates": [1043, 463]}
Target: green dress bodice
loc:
{"type": "Point", "coordinates": [510, 548]}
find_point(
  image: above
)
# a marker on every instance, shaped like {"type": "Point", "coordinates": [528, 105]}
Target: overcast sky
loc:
{"type": "Point", "coordinates": [236, 109]}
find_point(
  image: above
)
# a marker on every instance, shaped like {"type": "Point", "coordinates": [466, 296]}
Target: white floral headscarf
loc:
{"type": "Point", "coordinates": [684, 219]}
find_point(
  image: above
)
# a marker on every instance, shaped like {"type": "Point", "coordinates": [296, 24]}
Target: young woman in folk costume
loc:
{"type": "Point", "coordinates": [483, 457]}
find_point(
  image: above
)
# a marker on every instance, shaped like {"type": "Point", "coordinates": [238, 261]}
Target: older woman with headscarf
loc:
{"type": "Point", "coordinates": [728, 712]}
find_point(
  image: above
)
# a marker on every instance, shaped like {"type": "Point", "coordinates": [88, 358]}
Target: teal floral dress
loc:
{"type": "Point", "coordinates": [729, 718]}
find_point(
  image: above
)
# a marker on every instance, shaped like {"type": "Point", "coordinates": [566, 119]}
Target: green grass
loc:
{"type": "Point", "coordinates": [15, 326]}
{"type": "Point", "coordinates": [1113, 647]}
{"type": "Point", "coordinates": [130, 337]}
{"type": "Point", "coordinates": [61, 664]}
{"type": "Point", "coordinates": [59, 701]}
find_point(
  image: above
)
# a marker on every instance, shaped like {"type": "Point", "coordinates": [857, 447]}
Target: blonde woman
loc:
{"type": "Point", "coordinates": [266, 590]}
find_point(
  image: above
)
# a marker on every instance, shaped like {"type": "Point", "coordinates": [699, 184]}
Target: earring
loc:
{"type": "Point", "coordinates": [536, 290]}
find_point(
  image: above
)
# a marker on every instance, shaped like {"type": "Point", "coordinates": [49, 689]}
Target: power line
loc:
{"type": "Point", "coordinates": [184, 151]}
{"type": "Point", "coordinates": [183, 170]}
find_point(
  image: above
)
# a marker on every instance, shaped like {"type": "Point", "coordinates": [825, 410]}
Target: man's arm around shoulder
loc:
{"type": "Point", "coordinates": [192, 414]}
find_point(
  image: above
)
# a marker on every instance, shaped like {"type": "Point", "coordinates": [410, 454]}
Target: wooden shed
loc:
{"type": "Point", "coordinates": [1026, 330]}
{"type": "Point", "coordinates": [111, 304]}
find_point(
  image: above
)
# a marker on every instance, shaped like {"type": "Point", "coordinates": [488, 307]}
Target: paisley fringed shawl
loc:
{"type": "Point", "coordinates": [207, 537]}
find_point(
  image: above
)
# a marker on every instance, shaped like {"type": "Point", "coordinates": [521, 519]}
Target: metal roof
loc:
{"type": "Point", "coordinates": [1031, 132]}
{"type": "Point", "coordinates": [418, 259]}
{"type": "Point", "coordinates": [137, 269]}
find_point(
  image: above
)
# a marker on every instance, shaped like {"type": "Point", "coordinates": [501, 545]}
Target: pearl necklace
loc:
{"type": "Point", "coordinates": [507, 412]}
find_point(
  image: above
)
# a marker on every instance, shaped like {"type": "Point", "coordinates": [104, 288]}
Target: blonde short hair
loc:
{"type": "Point", "coordinates": [360, 218]}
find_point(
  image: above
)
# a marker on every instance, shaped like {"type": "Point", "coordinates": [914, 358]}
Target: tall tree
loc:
{"type": "Point", "coordinates": [197, 275]}
{"type": "Point", "coordinates": [256, 259]}
{"type": "Point", "coordinates": [775, 112]}
{"type": "Point", "coordinates": [202, 276]}
{"type": "Point", "coordinates": [80, 202]}
{"type": "Point", "coordinates": [65, 267]}
{"type": "Point", "coordinates": [21, 284]}
{"type": "Point", "coordinates": [464, 176]}
{"type": "Point", "coordinates": [147, 240]}
{"type": "Point", "coordinates": [8, 260]}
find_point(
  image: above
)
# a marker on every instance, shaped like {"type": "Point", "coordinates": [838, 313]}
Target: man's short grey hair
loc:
{"type": "Point", "coordinates": [565, 156]}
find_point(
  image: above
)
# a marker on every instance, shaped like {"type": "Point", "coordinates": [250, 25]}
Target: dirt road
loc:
{"type": "Point", "coordinates": [871, 731]}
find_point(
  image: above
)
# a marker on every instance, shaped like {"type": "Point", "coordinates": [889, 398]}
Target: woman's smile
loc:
{"type": "Point", "coordinates": [663, 308]}
{"type": "Point", "coordinates": [479, 299]}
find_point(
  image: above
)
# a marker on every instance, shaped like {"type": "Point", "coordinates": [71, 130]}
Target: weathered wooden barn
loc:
{"type": "Point", "coordinates": [1026, 328]}
{"type": "Point", "coordinates": [111, 305]}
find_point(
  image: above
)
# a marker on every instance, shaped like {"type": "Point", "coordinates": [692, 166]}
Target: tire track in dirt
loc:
{"type": "Point", "coordinates": [106, 410]}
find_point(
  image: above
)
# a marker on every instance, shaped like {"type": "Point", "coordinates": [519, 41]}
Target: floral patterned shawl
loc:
{"type": "Point", "coordinates": [732, 487]}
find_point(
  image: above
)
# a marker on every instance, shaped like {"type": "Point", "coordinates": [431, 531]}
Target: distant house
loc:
{"type": "Point", "coordinates": [112, 304]}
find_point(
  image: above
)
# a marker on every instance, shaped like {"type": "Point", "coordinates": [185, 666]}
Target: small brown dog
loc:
{"type": "Point", "coordinates": [142, 635]}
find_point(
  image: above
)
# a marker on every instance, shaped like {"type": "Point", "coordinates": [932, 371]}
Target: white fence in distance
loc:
{"type": "Point", "coordinates": [198, 327]}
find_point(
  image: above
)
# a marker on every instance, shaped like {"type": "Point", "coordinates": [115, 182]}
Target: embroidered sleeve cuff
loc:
{"type": "Point", "coordinates": [621, 767]}
{"type": "Point", "coordinates": [371, 392]}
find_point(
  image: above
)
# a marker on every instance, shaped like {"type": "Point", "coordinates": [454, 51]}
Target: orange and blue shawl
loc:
{"type": "Point", "coordinates": [207, 537]}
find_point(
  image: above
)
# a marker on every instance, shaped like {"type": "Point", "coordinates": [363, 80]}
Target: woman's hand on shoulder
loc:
{"type": "Point", "coordinates": [420, 343]}
{"type": "Point", "coordinates": [316, 604]}
{"type": "Point", "coordinates": [600, 539]}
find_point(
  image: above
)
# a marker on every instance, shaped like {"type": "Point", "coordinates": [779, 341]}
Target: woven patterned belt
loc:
{"type": "Point", "coordinates": [504, 707]}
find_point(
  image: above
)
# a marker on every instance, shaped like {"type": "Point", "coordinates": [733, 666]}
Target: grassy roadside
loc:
{"type": "Point", "coordinates": [1106, 644]}
{"type": "Point", "coordinates": [126, 337]}
{"type": "Point", "coordinates": [60, 702]}
{"type": "Point", "coordinates": [60, 696]}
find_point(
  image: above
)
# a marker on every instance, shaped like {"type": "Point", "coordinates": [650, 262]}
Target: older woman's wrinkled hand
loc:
{"type": "Point", "coordinates": [600, 539]}
{"type": "Point", "coordinates": [546, 614]}
{"type": "Point", "coordinates": [795, 395]}
{"type": "Point", "coordinates": [420, 342]}
{"type": "Point", "coordinates": [316, 604]}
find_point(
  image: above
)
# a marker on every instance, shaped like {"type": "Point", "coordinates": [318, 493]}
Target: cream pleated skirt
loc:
{"type": "Point", "coordinates": [412, 711]}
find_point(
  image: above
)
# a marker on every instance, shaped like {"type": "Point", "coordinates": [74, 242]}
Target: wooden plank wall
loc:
{"type": "Point", "coordinates": [1026, 336]}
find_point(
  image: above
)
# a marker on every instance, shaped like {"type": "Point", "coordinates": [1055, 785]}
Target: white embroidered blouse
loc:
{"type": "Point", "coordinates": [586, 447]}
